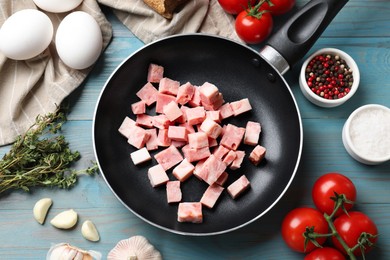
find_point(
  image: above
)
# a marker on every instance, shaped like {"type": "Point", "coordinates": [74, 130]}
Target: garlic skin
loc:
{"type": "Point", "coordinates": [65, 220]}
{"type": "Point", "coordinates": [41, 208]}
{"type": "Point", "coordinates": [65, 251]}
{"type": "Point", "coordinates": [89, 231]}
{"type": "Point", "coordinates": [134, 248]}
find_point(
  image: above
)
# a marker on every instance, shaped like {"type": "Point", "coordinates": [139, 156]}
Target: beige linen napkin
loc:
{"type": "Point", "coordinates": [37, 85]}
{"type": "Point", "coordinates": [205, 16]}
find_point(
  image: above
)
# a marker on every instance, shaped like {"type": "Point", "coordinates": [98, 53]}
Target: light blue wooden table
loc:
{"type": "Point", "coordinates": [362, 29]}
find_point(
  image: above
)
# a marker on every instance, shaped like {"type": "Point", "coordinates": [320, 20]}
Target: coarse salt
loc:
{"type": "Point", "coordinates": [370, 132]}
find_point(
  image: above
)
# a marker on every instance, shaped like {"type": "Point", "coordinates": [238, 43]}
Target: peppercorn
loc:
{"type": "Point", "coordinates": [329, 76]}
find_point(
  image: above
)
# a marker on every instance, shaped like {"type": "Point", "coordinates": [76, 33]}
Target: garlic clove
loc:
{"type": "Point", "coordinates": [65, 220]}
{"type": "Point", "coordinates": [41, 208]}
{"type": "Point", "coordinates": [134, 248]}
{"type": "Point", "coordinates": [68, 252]}
{"type": "Point", "coordinates": [89, 231]}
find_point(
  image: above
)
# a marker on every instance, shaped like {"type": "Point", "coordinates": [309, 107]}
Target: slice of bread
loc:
{"type": "Point", "coordinates": [164, 7]}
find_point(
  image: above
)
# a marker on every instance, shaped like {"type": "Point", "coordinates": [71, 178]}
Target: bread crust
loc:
{"type": "Point", "coordinates": [164, 7]}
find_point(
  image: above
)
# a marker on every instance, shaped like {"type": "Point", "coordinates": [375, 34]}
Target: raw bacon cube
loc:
{"type": "Point", "coordinates": [169, 86]}
{"type": "Point", "coordinates": [172, 111]}
{"type": "Point", "coordinates": [185, 93]}
{"type": "Point", "coordinates": [178, 133]}
{"type": "Point", "coordinates": [152, 143]}
{"type": "Point", "coordinates": [236, 164]}
{"type": "Point", "coordinates": [138, 137]}
{"type": "Point", "coordinates": [169, 157]}
{"type": "Point", "coordinates": [216, 105]}
{"type": "Point", "coordinates": [155, 73]}
{"type": "Point", "coordinates": [209, 93]}
{"type": "Point", "coordinates": [257, 155]}
{"type": "Point", "coordinates": [211, 195]}
{"type": "Point", "coordinates": [230, 157]}
{"type": "Point", "coordinates": [161, 121]}
{"type": "Point", "coordinates": [163, 139]}
{"type": "Point", "coordinates": [252, 133]}
{"type": "Point", "coordinates": [222, 179]}
{"type": "Point", "coordinates": [195, 101]}
{"type": "Point", "coordinates": [220, 152]}
{"type": "Point", "coordinates": [198, 140]}
{"type": "Point", "coordinates": [183, 171]}
{"type": "Point", "coordinates": [212, 142]}
{"type": "Point", "coordinates": [213, 115]}
{"type": "Point", "coordinates": [148, 94]}
{"type": "Point", "coordinates": [138, 107]}
{"type": "Point", "coordinates": [198, 168]}
{"type": "Point", "coordinates": [232, 137]}
{"type": "Point", "coordinates": [190, 128]}
{"type": "Point", "coordinates": [193, 155]}
{"type": "Point", "coordinates": [195, 115]}
{"type": "Point", "coordinates": [226, 111]}
{"type": "Point", "coordinates": [162, 101]}
{"type": "Point", "coordinates": [240, 106]}
{"type": "Point", "coordinates": [126, 126]}
{"type": "Point", "coordinates": [140, 156]}
{"type": "Point", "coordinates": [157, 175]}
{"type": "Point", "coordinates": [238, 187]}
{"type": "Point", "coordinates": [211, 170]}
{"type": "Point", "coordinates": [190, 212]}
{"type": "Point", "coordinates": [173, 191]}
{"type": "Point", "coordinates": [144, 120]}
{"type": "Point", "coordinates": [211, 128]}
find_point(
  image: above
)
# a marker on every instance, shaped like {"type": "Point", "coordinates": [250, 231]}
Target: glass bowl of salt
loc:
{"type": "Point", "coordinates": [366, 134]}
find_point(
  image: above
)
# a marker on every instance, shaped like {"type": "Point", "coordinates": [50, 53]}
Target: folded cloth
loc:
{"type": "Point", "coordinates": [204, 16]}
{"type": "Point", "coordinates": [36, 86]}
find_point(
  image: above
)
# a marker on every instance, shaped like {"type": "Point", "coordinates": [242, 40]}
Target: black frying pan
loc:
{"type": "Point", "coordinates": [239, 72]}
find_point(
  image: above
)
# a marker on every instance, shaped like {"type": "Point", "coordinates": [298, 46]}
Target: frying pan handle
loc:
{"type": "Point", "coordinates": [300, 32]}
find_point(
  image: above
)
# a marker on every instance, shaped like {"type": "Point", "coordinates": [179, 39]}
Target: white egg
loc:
{"type": "Point", "coordinates": [25, 34]}
{"type": "Point", "coordinates": [79, 40]}
{"type": "Point", "coordinates": [57, 6]}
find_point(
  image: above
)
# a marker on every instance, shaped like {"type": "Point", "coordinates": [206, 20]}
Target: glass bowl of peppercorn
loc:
{"type": "Point", "coordinates": [329, 77]}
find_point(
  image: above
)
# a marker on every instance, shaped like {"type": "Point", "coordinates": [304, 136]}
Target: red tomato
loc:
{"type": "Point", "coordinates": [324, 188]}
{"type": "Point", "coordinates": [251, 29]}
{"type": "Point", "coordinates": [279, 7]}
{"type": "Point", "coordinates": [350, 227]}
{"type": "Point", "coordinates": [235, 6]}
{"type": "Point", "coordinates": [294, 225]}
{"type": "Point", "coordinates": [325, 253]}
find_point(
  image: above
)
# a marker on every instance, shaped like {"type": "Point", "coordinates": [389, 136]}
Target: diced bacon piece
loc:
{"type": "Point", "coordinates": [183, 171]}
{"type": "Point", "coordinates": [195, 115]}
{"type": "Point", "coordinates": [148, 94]}
{"type": "Point", "coordinates": [230, 157]}
{"type": "Point", "coordinates": [193, 155]}
{"type": "Point", "coordinates": [232, 137]}
{"type": "Point", "coordinates": [173, 191]}
{"type": "Point", "coordinates": [213, 115]}
{"type": "Point", "coordinates": [212, 169]}
{"type": "Point", "coordinates": [222, 179]}
{"type": "Point", "coordinates": [216, 105]}
{"type": "Point", "coordinates": [209, 93]}
{"type": "Point", "coordinates": [126, 126]}
{"type": "Point", "coordinates": [162, 101]}
{"type": "Point", "coordinates": [198, 168]}
{"type": "Point", "coordinates": [212, 142]}
{"type": "Point", "coordinates": [190, 128]}
{"type": "Point", "coordinates": [138, 107]}
{"type": "Point", "coordinates": [152, 143]}
{"type": "Point", "coordinates": [190, 212]}
{"type": "Point", "coordinates": [211, 128]}
{"type": "Point", "coordinates": [157, 175]}
{"type": "Point", "coordinates": [220, 152]}
{"type": "Point", "coordinates": [198, 140]}
{"type": "Point", "coordinates": [195, 101]}
{"type": "Point", "coordinates": [144, 120]}
{"type": "Point", "coordinates": [252, 133]}
{"type": "Point", "coordinates": [236, 164]}
{"type": "Point", "coordinates": [223, 130]}
{"type": "Point", "coordinates": [185, 93]}
{"type": "Point", "coordinates": [172, 111]}
{"type": "Point", "coordinates": [169, 86]}
{"type": "Point", "coordinates": [163, 139]}
{"type": "Point", "coordinates": [238, 187]}
{"type": "Point", "coordinates": [240, 106]}
{"type": "Point", "coordinates": [226, 111]}
{"type": "Point", "coordinates": [211, 195]}
{"type": "Point", "coordinates": [138, 137]}
{"type": "Point", "coordinates": [161, 121]}
{"type": "Point", "coordinates": [178, 133]}
{"type": "Point", "coordinates": [140, 156]}
{"type": "Point", "coordinates": [169, 157]}
{"type": "Point", "coordinates": [257, 155]}
{"type": "Point", "coordinates": [178, 144]}
{"type": "Point", "coordinates": [155, 73]}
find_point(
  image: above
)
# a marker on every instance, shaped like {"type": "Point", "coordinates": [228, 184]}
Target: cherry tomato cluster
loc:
{"type": "Point", "coordinates": [254, 20]}
{"type": "Point", "coordinates": [347, 232]}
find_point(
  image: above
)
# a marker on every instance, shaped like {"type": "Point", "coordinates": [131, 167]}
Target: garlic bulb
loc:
{"type": "Point", "coordinates": [134, 248]}
{"type": "Point", "coordinates": [65, 251]}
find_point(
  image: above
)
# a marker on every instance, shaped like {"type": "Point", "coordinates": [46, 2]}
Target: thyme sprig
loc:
{"type": "Point", "coordinates": [41, 157]}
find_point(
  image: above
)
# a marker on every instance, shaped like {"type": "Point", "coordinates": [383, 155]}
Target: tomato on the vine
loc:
{"type": "Point", "coordinates": [325, 187]}
{"type": "Point", "coordinates": [253, 26]}
{"type": "Point", "coordinates": [351, 226]}
{"type": "Point", "coordinates": [325, 253]}
{"type": "Point", "coordinates": [295, 223]}
{"type": "Point", "coordinates": [235, 6]}
{"type": "Point", "coordinates": [279, 7]}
